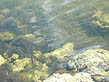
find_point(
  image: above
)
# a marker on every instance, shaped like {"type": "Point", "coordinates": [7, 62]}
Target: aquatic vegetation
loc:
{"type": "Point", "coordinates": [94, 62]}
{"type": "Point", "coordinates": [17, 22]}
{"type": "Point", "coordinates": [29, 36]}
{"type": "Point", "coordinates": [12, 22]}
{"type": "Point", "coordinates": [58, 54]}
{"type": "Point", "coordinates": [20, 26]}
{"type": "Point", "coordinates": [2, 60]}
{"type": "Point", "coordinates": [63, 52]}
{"type": "Point", "coordinates": [36, 74]}
{"type": "Point", "coordinates": [19, 64]}
{"type": "Point", "coordinates": [5, 36]}
{"type": "Point", "coordinates": [101, 19]}
{"type": "Point", "coordinates": [1, 17]}
{"type": "Point", "coordinates": [5, 11]}
{"type": "Point", "coordinates": [22, 46]}
{"type": "Point", "coordinates": [14, 56]}
{"type": "Point", "coordinates": [28, 68]}
{"type": "Point", "coordinates": [37, 54]}
{"type": "Point", "coordinates": [36, 67]}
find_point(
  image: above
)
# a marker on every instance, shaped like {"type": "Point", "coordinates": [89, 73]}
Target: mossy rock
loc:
{"type": "Point", "coordinates": [2, 17]}
{"type": "Point", "coordinates": [101, 19]}
{"type": "Point", "coordinates": [19, 64]}
{"type": "Point", "coordinates": [63, 52]}
{"type": "Point", "coordinates": [5, 11]}
{"type": "Point", "coordinates": [94, 62]}
{"type": "Point", "coordinates": [2, 60]}
{"type": "Point", "coordinates": [5, 36]}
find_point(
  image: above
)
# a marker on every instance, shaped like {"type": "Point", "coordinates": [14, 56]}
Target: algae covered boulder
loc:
{"type": "Point", "coordinates": [62, 52]}
{"type": "Point", "coordinates": [58, 54]}
{"type": "Point", "coordinates": [94, 62]}
{"type": "Point", "coordinates": [37, 74]}
{"type": "Point", "coordinates": [28, 68]}
{"type": "Point", "coordinates": [5, 11]}
{"type": "Point", "coordinates": [19, 64]}
{"type": "Point", "coordinates": [36, 68]}
{"type": "Point", "coordinates": [22, 46]}
{"type": "Point", "coordinates": [101, 19]}
{"type": "Point", "coordinates": [2, 60]}
{"type": "Point", "coordinates": [5, 36]}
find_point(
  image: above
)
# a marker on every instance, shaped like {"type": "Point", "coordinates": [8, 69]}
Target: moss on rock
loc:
{"type": "Point", "coordinates": [5, 36]}
{"type": "Point", "coordinates": [36, 74]}
{"type": "Point", "coordinates": [63, 52]}
{"type": "Point", "coordinates": [101, 19]}
{"type": "Point", "coordinates": [2, 60]}
{"type": "Point", "coordinates": [19, 64]}
{"type": "Point", "coordinates": [94, 62]}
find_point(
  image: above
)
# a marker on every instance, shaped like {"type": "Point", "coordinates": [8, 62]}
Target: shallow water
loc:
{"type": "Point", "coordinates": [53, 22]}
{"type": "Point", "coordinates": [61, 21]}
{"type": "Point", "coordinates": [70, 21]}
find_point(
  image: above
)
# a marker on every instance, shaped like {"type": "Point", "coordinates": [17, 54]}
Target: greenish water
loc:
{"type": "Point", "coordinates": [58, 22]}
{"type": "Point", "coordinates": [53, 23]}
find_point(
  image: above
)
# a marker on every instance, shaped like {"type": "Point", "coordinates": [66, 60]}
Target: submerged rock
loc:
{"type": "Point", "coordinates": [5, 36]}
{"type": "Point", "coordinates": [59, 78]}
{"type": "Point", "coordinates": [84, 66]}
{"type": "Point", "coordinates": [90, 65]}
{"type": "Point", "coordinates": [36, 67]}
{"type": "Point", "coordinates": [36, 74]}
{"type": "Point", "coordinates": [101, 19]}
{"type": "Point", "coordinates": [2, 60]}
{"type": "Point", "coordinates": [5, 11]}
{"type": "Point", "coordinates": [63, 52]}
{"type": "Point", "coordinates": [79, 77]}
{"type": "Point", "coordinates": [94, 62]}
{"type": "Point", "coordinates": [19, 64]}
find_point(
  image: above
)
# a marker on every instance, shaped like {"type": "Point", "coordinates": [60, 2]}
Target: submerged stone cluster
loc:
{"type": "Point", "coordinates": [101, 19]}
{"type": "Point", "coordinates": [37, 67]}
{"type": "Point", "coordinates": [89, 66]}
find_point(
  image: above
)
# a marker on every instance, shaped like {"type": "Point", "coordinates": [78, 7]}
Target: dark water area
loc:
{"type": "Point", "coordinates": [46, 25]}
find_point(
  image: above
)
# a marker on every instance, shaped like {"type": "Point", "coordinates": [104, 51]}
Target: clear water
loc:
{"type": "Point", "coordinates": [56, 21]}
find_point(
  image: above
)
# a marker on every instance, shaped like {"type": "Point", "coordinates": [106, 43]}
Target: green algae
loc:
{"type": "Point", "coordinates": [36, 68]}
{"type": "Point", "coordinates": [94, 62]}
{"type": "Point", "coordinates": [101, 19]}
{"type": "Point", "coordinates": [2, 60]}
{"type": "Point", "coordinates": [5, 36]}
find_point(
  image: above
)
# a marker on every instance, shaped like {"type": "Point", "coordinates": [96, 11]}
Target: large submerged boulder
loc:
{"type": "Point", "coordinates": [91, 65]}
{"type": "Point", "coordinates": [79, 77]}
{"type": "Point", "coordinates": [95, 62]}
